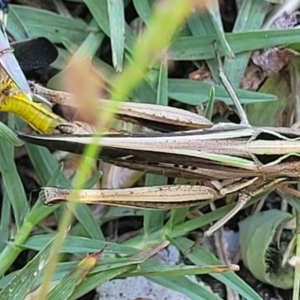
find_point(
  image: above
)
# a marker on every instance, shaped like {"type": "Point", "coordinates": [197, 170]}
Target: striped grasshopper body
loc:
{"type": "Point", "coordinates": [224, 160]}
{"type": "Point", "coordinates": [213, 153]}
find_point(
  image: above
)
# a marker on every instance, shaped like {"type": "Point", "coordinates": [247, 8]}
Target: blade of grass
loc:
{"type": "Point", "coordinates": [99, 12]}
{"type": "Point", "coordinates": [195, 92]}
{"type": "Point", "coordinates": [37, 213]}
{"type": "Point", "coordinates": [200, 256]}
{"type": "Point", "coordinates": [280, 86]}
{"type": "Point", "coordinates": [250, 17]}
{"type": "Point", "coordinates": [87, 49]}
{"type": "Point", "coordinates": [148, 46]}
{"type": "Point", "coordinates": [44, 163]}
{"type": "Point", "coordinates": [214, 12]}
{"type": "Point", "coordinates": [77, 244]}
{"type": "Point", "coordinates": [66, 286]}
{"type": "Point", "coordinates": [9, 135]}
{"type": "Point", "coordinates": [152, 267]}
{"type": "Point", "coordinates": [12, 182]}
{"type": "Point", "coordinates": [90, 45]}
{"type": "Point", "coordinates": [65, 267]}
{"type": "Point", "coordinates": [186, 286]}
{"type": "Point", "coordinates": [143, 8]}
{"type": "Point", "coordinates": [19, 287]}
{"type": "Point", "coordinates": [5, 221]}
{"type": "Point", "coordinates": [201, 25]}
{"type": "Point", "coordinates": [53, 27]}
{"type": "Point", "coordinates": [117, 31]}
{"type": "Point", "coordinates": [153, 220]}
{"type": "Point", "coordinates": [162, 87]}
{"type": "Point", "coordinates": [96, 280]}
{"type": "Point", "coordinates": [201, 48]}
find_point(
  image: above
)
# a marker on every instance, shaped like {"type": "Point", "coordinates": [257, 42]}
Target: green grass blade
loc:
{"type": "Point", "coordinates": [250, 17]}
{"type": "Point", "coordinates": [85, 216]}
{"type": "Point", "coordinates": [280, 86]}
{"type": "Point", "coordinates": [99, 11]}
{"type": "Point", "coordinates": [202, 25]}
{"type": "Point", "coordinates": [53, 26]}
{"type": "Point", "coordinates": [5, 221]}
{"type": "Point", "coordinates": [214, 12]}
{"type": "Point", "coordinates": [9, 135]}
{"type": "Point", "coordinates": [36, 214]}
{"type": "Point", "coordinates": [201, 48]}
{"type": "Point", "coordinates": [91, 44]}
{"type": "Point", "coordinates": [154, 268]}
{"type": "Point", "coordinates": [143, 8]}
{"type": "Point", "coordinates": [44, 164]}
{"type": "Point", "coordinates": [210, 104]}
{"type": "Point", "coordinates": [23, 282]}
{"type": "Point", "coordinates": [65, 288]}
{"type": "Point", "coordinates": [12, 182]}
{"type": "Point", "coordinates": [200, 256]}
{"type": "Point", "coordinates": [186, 286]}
{"type": "Point", "coordinates": [97, 279]}
{"type": "Point", "coordinates": [153, 220]}
{"type": "Point", "coordinates": [76, 244]}
{"type": "Point", "coordinates": [162, 87]}
{"type": "Point", "coordinates": [196, 92]}
{"type": "Point", "coordinates": [117, 30]}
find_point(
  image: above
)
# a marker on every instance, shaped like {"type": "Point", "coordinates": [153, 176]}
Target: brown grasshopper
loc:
{"type": "Point", "coordinates": [224, 158]}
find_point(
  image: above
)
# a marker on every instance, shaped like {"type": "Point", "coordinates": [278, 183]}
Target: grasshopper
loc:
{"type": "Point", "coordinates": [225, 159]}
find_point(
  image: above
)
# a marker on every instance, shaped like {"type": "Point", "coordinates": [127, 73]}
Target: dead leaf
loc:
{"type": "Point", "coordinates": [272, 60]}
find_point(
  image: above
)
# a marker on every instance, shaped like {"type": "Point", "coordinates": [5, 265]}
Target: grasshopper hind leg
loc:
{"type": "Point", "coordinates": [256, 187]}
{"type": "Point", "coordinates": [242, 200]}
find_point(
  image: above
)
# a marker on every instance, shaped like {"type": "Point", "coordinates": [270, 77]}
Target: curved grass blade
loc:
{"type": "Point", "coordinates": [200, 256]}
{"type": "Point", "coordinates": [9, 135]}
{"type": "Point", "coordinates": [18, 287]}
{"type": "Point", "coordinates": [27, 24]}
{"type": "Point", "coordinates": [12, 182]}
{"type": "Point", "coordinates": [66, 286]}
{"type": "Point", "coordinates": [117, 32]}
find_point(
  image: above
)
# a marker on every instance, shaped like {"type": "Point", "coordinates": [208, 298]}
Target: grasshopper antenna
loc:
{"type": "Point", "coordinates": [229, 89]}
